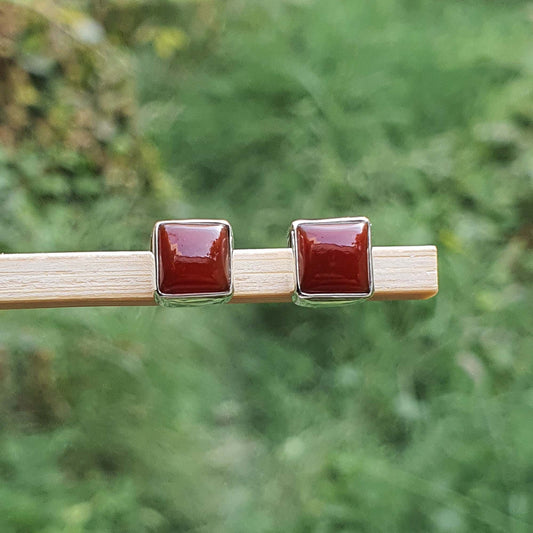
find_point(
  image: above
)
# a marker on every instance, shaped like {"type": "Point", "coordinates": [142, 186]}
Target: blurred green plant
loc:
{"type": "Point", "coordinates": [399, 416]}
{"type": "Point", "coordinates": [68, 118]}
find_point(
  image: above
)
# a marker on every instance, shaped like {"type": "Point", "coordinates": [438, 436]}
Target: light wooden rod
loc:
{"type": "Point", "coordinates": [127, 278]}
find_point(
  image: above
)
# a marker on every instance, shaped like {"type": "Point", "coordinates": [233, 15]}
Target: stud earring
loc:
{"type": "Point", "coordinates": [193, 262]}
{"type": "Point", "coordinates": [333, 260]}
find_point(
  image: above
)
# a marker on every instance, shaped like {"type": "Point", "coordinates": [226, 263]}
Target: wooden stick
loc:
{"type": "Point", "coordinates": [126, 278]}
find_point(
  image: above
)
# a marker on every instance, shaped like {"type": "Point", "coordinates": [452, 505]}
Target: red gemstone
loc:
{"type": "Point", "coordinates": [333, 257]}
{"type": "Point", "coordinates": [194, 258]}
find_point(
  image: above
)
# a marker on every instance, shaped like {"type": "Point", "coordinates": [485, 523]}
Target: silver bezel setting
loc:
{"type": "Point", "coordinates": [193, 299]}
{"type": "Point", "coordinates": [329, 299]}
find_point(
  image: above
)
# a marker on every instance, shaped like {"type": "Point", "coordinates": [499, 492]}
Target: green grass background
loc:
{"type": "Point", "coordinates": [380, 417]}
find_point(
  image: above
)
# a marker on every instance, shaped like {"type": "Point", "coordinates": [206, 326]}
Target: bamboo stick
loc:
{"type": "Point", "coordinates": [127, 278]}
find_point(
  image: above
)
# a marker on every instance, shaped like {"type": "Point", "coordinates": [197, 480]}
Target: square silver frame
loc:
{"type": "Point", "coordinates": [329, 299]}
{"type": "Point", "coordinates": [192, 299]}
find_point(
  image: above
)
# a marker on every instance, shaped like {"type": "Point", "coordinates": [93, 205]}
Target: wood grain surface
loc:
{"type": "Point", "coordinates": [127, 278]}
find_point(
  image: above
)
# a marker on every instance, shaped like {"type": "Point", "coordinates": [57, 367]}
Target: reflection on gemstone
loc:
{"type": "Point", "coordinates": [333, 257]}
{"type": "Point", "coordinates": [193, 258]}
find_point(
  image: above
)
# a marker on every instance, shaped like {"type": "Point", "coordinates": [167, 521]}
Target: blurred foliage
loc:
{"type": "Point", "coordinates": [397, 416]}
{"type": "Point", "coordinates": [68, 118]}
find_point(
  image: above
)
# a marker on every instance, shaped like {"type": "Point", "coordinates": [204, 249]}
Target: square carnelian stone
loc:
{"type": "Point", "coordinates": [194, 258]}
{"type": "Point", "coordinates": [333, 257]}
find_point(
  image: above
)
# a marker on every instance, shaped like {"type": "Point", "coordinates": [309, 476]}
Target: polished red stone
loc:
{"type": "Point", "coordinates": [193, 258]}
{"type": "Point", "coordinates": [333, 257]}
